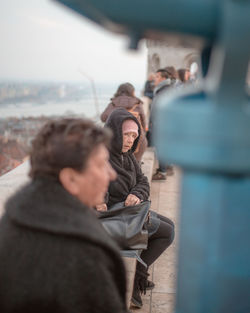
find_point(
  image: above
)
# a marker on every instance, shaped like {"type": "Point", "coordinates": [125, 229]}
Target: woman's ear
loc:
{"type": "Point", "coordinates": [68, 178]}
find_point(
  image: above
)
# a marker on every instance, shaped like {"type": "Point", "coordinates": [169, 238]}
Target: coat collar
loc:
{"type": "Point", "coordinates": [164, 83]}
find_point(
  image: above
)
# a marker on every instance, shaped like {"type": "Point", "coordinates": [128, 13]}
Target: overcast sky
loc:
{"type": "Point", "coordinates": [41, 40]}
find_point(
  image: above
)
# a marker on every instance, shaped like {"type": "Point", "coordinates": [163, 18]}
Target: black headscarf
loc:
{"type": "Point", "coordinates": [114, 122]}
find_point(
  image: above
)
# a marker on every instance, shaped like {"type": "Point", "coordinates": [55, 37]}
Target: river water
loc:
{"type": "Point", "coordinates": [86, 107]}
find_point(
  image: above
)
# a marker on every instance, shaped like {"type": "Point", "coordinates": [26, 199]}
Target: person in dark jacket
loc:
{"type": "Point", "coordinates": [184, 75]}
{"type": "Point", "coordinates": [55, 256]}
{"type": "Point", "coordinates": [164, 79]}
{"type": "Point", "coordinates": [149, 86]}
{"type": "Point", "coordinates": [125, 98]}
{"type": "Point", "coordinates": [131, 187]}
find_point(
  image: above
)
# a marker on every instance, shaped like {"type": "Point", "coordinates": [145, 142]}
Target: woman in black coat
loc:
{"type": "Point", "coordinates": [131, 187]}
{"type": "Point", "coordinates": [55, 256]}
{"type": "Point", "coordinates": [125, 98]}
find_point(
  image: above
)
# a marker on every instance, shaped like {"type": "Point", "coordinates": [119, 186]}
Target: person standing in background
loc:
{"type": "Point", "coordinates": [184, 75]}
{"type": "Point", "coordinates": [163, 81]}
{"type": "Point", "coordinates": [149, 86]}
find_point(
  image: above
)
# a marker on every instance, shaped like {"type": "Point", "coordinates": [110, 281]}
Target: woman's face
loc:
{"type": "Point", "coordinates": [128, 141]}
{"type": "Point", "coordinates": [91, 184]}
{"type": "Point", "coordinates": [187, 76]}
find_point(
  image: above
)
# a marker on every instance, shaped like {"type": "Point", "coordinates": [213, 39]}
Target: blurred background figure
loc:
{"type": "Point", "coordinates": [165, 79]}
{"type": "Point", "coordinates": [173, 75]}
{"type": "Point", "coordinates": [184, 74]}
{"type": "Point", "coordinates": [125, 98]}
{"type": "Point", "coordinates": [149, 86]}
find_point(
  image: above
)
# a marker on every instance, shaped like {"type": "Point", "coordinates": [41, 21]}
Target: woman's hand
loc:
{"type": "Point", "coordinates": [132, 200]}
{"type": "Point", "coordinates": [101, 207]}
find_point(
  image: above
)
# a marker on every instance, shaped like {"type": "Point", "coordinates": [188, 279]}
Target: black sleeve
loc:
{"type": "Point", "coordinates": [141, 189]}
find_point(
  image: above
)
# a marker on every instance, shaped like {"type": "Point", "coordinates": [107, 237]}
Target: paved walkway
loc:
{"type": "Point", "coordinates": [164, 197]}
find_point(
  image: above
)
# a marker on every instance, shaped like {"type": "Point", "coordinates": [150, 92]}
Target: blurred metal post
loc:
{"type": "Point", "coordinates": [92, 84]}
{"type": "Point", "coordinates": [207, 133]}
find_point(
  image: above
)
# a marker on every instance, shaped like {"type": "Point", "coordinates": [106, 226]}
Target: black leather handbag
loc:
{"type": "Point", "coordinates": [127, 225]}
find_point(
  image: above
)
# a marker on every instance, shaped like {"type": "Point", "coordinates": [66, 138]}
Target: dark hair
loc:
{"type": "Point", "coordinates": [173, 74]}
{"type": "Point", "coordinates": [66, 142]}
{"type": "Point", "coordinates": [126, 89]}
{"type": "Point", "coordinates": [182, 72]}
{"type": "Point", "coordinates": [163, 72]}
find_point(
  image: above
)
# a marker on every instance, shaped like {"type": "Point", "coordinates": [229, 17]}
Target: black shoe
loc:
{"type": "Point", "coordinates": [136, 300]}
{"type": "Point", "coordinates": [170, 170]}
{"type": "Point", "coordinates": [150, 285]}
{"type": "Point", "coordinates": [159, 176]}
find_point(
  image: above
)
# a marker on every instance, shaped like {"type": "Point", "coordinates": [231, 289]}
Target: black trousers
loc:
{"type": "Point", "coordinates": [158, 242]}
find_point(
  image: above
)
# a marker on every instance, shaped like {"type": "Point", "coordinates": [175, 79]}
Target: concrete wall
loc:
{"type": "Point", "coordinates": [162, 54]}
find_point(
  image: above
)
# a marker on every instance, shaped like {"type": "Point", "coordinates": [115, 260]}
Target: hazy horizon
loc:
{"type": "Point", "coordinates": [43, 41]}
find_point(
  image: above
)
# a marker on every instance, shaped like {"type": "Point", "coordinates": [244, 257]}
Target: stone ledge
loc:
{"type": "Point", "coordinates": [12, 181]}
{"type": "Point", "coordinates": [148, 160]}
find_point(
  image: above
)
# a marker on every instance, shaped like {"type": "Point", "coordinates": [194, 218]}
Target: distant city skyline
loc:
{"type": "Point", "coordinates": [43, 41]}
